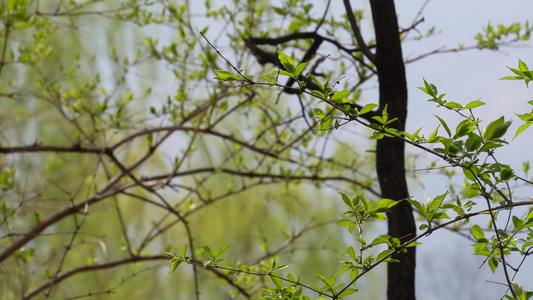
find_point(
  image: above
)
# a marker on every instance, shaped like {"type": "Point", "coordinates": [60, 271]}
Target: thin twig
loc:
{"type": "Point", "coordinates": [357, 32]}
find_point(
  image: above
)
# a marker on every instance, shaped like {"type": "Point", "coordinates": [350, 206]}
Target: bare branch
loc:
{"type": "Point", "coordinates": [357, 32]}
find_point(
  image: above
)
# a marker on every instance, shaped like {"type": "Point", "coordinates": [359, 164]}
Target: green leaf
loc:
{"type": "Point", "coordinates": [339, 96]}
{"type": "Point", "coordinates": [477, 232]}
{"type": "Point", "coordinates": [466, 126]}
{"type": "Point", "coordinates": [413, 244]}
{"type": "Point", "coordinates": [300, 68]}
{"type": "Point", "coordinates": [347, 109]}
{"type": "Point", "coordinates": [276, 280]}
{"type": "Point", "coordinates": [384, 205]}
{"type": "Point", "coordinates": [207, 250]}
{"type": "Point", "coordinates": [226, 76]}
{"type": "Point", "coordinates": [488, 146]}
{"type": "Point", "coordinates": [522, 128]}
{"type": "Point", "coordinates": [367, 108]}
{"type": "Point", "coordinates": [318, 93]}
{"type": "Point", "coordinates": [429, 89]}
{"type": "Point", "coordinates": [383, 254]}
{"type": "Point", "coordinates": [271, 80]}
{"type": "Point", "coordinates": [280, 267]}
{"type": "Point", "coordinates": [286, 61]}
{"type": "Point", "coordinates": [322, 278]}
{"type": "Point", "coordinates": [317, 82]}
{"type": "Point", "coordinates": [474, 104]}
{"type": "Point", "coordinates": [518, 290]}
{"type": "Point", "coordinates": [440, 215]}
{"type": "Point", "coordinates": [526, 117]}
{"type": "Point", "coordinates": [436, 202]}
{"type": "Point", "coordinates": [319, 113]}
{"type": "Point", "coordinates": [516, 71]}
{"type": "Point", "coordinates": [506, 174]}
{"type": "Point", "coordinates": [489, 132]}
{"type": "Point", "coordinates": [324, 124]}
{"type": "Point", "coordinates": [351, 252]}
{"type": "Point", "coordinates": [346, 200]}
{"type": "Point", "coordinates": [418, 207]}
{"type": "Point", "coordinates": [382, 239]}
{"type": "Point", "coordinates": [348, 292]}
{"type": "Point", "coordinates": [220, 251]}
{"type": "Point", "coordinates": [453, 105]}
{"type": "Point", "coordinates": [493, 264]}
{"type": "Point", "coordinates": [529, 216]}
{"type": "Point", "coordinates": [283, 72]}
{"type": "Point", "coordinates": [416, 134]}
{"type": "Point", "coordinates": [290, 277]}
{"type": "Point", "coordinates": [379, 119]}
{"type": "Point", "coordinates": [359, 198]}
{"type": "Point", "coordinates": [445, 126]}
{"type": "Point", "coordinates": [470, 173]}
{"type": "Point", "coordinates": [473, 142]}
{"type": "Point", "coordinates": [266, 291]}
{"type": "Point", "coordinates": [344, 222]}
{"type": "Point", "coordinates": [346, 100]}
{"type": "Point", "coordinates": [408, 135]}
{"type": "Point", "coordinates": [377, 135]}
{"type": "Point", "coordinates": [183, 251]}
{"type": "Point", "coordinates": [431, 138]}
{"type": "Point", "coordinates": [512, 78]}
{"type": "Point", "coordinates": [522, 66]}
{"type": "Point", "coordinates": [378, 216]}
{"type": "Point", "coordinates": [174, 265]}
{"type": "Point", "coordinates": [472, 190]}
{"type": "Point", "coordinates": [448, 205]}
{"type": "Point", "coordinates": [517, 222]}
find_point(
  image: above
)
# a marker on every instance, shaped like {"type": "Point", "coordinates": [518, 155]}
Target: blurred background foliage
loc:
{"type": "Point", "coordinates": [88, 74]}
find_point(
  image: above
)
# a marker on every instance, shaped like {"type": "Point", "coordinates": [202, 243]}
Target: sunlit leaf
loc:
{"type": "Point", "coordinates": [226, 76]}
{"type": "Point", "coordinates": [474, 104]}
{"type": "Point", "coordinates": [286, 61]}
{"type": "Point", "coordinates": [276, 280]}
{"type": "Point", "coordinates": [477, 232]}
{"type": "Point", "coordinates": [338, 96]}
{"type": "Point", "coordinates": [367, 108]}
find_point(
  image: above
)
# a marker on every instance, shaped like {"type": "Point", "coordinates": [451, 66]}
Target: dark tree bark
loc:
{"type": "Point", "coordinates": [390, 152]}
{"type": "Point", "coordinates": [388, 60]}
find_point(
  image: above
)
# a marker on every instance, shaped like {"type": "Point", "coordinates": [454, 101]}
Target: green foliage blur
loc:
{"type": "Point", "coordinates": [89, 74]}
{"type": "Point", "coordinates": [141, 138]}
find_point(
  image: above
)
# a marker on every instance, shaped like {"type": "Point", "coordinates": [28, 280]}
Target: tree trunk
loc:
{"type": "Point", "coordinates": [390, 152]}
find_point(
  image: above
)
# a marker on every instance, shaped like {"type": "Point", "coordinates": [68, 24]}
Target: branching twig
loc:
{"type": "Point", "coordinates": [357, 32]}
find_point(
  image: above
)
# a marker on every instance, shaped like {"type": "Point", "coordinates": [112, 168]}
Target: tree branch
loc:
{"type": "Point", "coordinates": [357, 32]}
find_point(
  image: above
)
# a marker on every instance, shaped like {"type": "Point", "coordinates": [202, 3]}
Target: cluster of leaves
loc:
{"type": "Point", "coordinates": [82, 130]}
{"type": "Point", "coordinates": [503, 243]}
{"type": "Point", "coordinates": [494, 37]}
{"type": "Point", "coordinates": [360, 210]}
{"type": "Point", "coordinates": [430, 210]}
{"type": "Point", "coordinates": [468, 147]}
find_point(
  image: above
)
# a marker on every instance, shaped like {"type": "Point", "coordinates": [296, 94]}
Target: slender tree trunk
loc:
{"type": "Point", "coordinates": [390, 152]}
